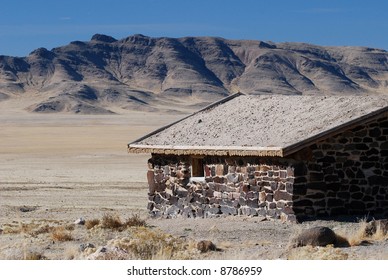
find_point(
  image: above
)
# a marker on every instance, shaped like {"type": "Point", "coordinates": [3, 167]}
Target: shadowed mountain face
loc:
{"type": "Point", "coordinates": [144, 73]}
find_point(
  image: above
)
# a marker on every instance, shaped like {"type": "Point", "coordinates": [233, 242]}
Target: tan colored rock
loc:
{"type": "Point", "coordinates": [151, 181]}
{"type": "Point", "coordinates": [262, 196]}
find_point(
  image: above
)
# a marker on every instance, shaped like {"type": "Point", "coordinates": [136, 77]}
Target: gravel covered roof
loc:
{"type": "Point", "coordinates": [260, 124]}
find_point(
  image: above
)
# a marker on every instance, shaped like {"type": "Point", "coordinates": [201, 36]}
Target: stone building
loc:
{"type": "Point", "coordinates": [288, 157]}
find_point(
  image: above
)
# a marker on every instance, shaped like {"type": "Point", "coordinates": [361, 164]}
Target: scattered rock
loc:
{"type": "Point", "coordinates": [288, 218]}
{"type": "Point", "coordinates": [83, 247]}
{"type": "Point", "coordinates": [80, 221]}
{"type": "Point", "coordinates": [25, 209]}
{"type": "Point", "coordinates": [316, 236]}
{"type": "Point", "coordinates": [205, 245]}
{"type": "Point", "coordinates": [365, 243]}
{"type": "Point", "coordinates": [109, 253]}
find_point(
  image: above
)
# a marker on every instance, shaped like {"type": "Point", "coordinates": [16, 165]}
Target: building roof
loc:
{"type": "Point", "coordinates": [261, 125]}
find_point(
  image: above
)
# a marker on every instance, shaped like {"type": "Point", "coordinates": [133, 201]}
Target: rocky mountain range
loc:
{"type": "Point", "coordinates": [105, 75]}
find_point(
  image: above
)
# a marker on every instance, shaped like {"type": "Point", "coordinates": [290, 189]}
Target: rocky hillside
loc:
{"type": "Point", "coordinates": [105, 75]}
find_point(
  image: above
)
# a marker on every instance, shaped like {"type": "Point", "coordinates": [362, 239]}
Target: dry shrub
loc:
{"type": "Point", "coordinates": [380, 234]}
{"type": "Point", "coordinates": [149, 244]}
{"type": "Point", "coordinates": [70, 227]}
{"type": "Point", "coordinates": [31, 229]}
{"type": "Point", "coordinates": [358, 237]}
{"type": "Point", "coordinates": [27, 228]}
{"type": "Point", "coordinates": [42, 230]}
{"type": "Point", "coordinates": [135, 221]}
{"type": "Point", "coordinates": [114, 222]}
{"type": "Point", "coordinates": [89, 224]}
{"type": "Point", "coordinates": [60, 234]}
{"type": "Point", "coordinates": [110, 221]}
{"type": "Point", "coordinates": [19, 228]}
{"type": "Point", "coordinates": [10, 229]}
{"type": "Point", "coordinates": [363, 235]}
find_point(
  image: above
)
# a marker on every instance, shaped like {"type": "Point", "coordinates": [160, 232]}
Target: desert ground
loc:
{"type": "Point", "coordinates": [57, 168]}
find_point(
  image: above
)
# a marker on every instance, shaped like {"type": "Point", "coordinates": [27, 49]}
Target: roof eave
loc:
{"type": "Point", "coordinates": [207, 150]}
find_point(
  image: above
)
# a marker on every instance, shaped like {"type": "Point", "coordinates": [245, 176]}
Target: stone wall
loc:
{"type": "Point", "coordinates": [231, 186]}
{"type": "Point", "coordinates": [346, 175]}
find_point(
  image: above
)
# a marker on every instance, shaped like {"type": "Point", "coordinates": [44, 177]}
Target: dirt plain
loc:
{"type": "Point", "coordinates": [56, 168]}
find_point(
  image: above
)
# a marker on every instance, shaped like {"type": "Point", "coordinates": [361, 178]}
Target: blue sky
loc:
{"type": "Point", "coordinates": [28, 24]}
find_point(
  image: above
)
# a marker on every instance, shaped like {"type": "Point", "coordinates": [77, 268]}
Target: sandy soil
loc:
{"type": "Point", "coordinates": [57, 168]}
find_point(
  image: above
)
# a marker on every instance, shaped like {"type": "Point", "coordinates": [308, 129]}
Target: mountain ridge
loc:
{"type": "Point", "coordinates": [106, 75]}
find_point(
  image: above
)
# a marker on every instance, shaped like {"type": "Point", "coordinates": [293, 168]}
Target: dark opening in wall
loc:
{"type": "Point", "coordinates": [197, 169]}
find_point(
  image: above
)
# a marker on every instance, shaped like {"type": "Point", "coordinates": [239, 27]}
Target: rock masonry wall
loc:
{"type": "Point", "coordinates": [347, 174]}
{"type": "Point", "coordinates": [231, 186]}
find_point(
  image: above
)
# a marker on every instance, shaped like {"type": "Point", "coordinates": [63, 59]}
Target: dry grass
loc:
{"type": "Point", "coordinates": [110, 221]}
{"type": "Point", "coordinates": [357, 237]}
{"type": "Point", "coordinates": [317, 253]}
{"type": "Point", "coordinates": [32, 229]}
{"type": "Point", "coordinates": [114, 222]}
{"type": "Point", "coordinates": [132, 239]}
{"type": "Point", "coordinates": [225, 244]}
{"type": "Point", "coordinates": [70, 227]}
{"type": "Point", "coordinates": [18, 228]}
{"type": "Point", "coordinates": [135, 221]}
{"type": "Point", "coordinates": [61, 234]}
{"type": "Point", "coordinates": [42, 230]}
{"type": "Point", "coordinates": [111, 254]}
{"type": "Point", "coordinates": [71, 252]}
{"type": "Point", "coordinates": [89, 224]}
{"type": "Point", "coordinates": [380, 234]}
{"type": "Point", "coordinates": [147, 244]}
{"type": "Point", "coordinates": [361, 236]}
{"type": "Point", "coordinates": [34, 256]}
